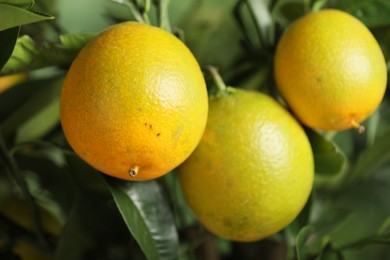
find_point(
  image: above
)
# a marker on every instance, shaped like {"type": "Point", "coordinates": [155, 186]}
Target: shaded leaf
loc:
{"type": "Point", "coordinates": [369, 208]}
{"type": "Point", "coordinates": [88, 179]}
{"type": "Point", "coordinates": [8, 39]}
{"type": "Point", "coordinates": [371, 159]}
{"type": "Point", "coordinates": [372, 13]}
{"type": "Point", "coordinates": [15, 97]}
{"type": "Point", "coordinates": [18, 177]}
{"type": "Point", "coordinates": [29, 55]}
{"type": "Point", "coordinates": [94, 230]}
{"type": "Point", "coordinates": [182, 213]}
{"type": "Point", "coordinates": [212, 33]}
{"type": "Point", "coordinates": [263, 20]}
{"type": "Point", "coordinates": [148, 217]}
{"type": "Point", "coordinates": [39, 124]}
{"type": "Point", "coordinates": [385, 228]}
{"type": "Point", "coordinates": [75, 238]}
{"type": "Point", "coordinates": [94, 226]}
{"type": "Point", "coordinates": [34, 105]}
{"type": "Point", "coordinates": [13, 16]}
{"type": "Point", "coordinates": [46, 175]}
{"type": "Point", "coordinates": [328, 158]}
{"type": "Point", "coordinates": [286, 11]}
{"type": "Point", "coordinates": [301, 240]}
{"type": "Point", "coordinates": [319, 247]}
{"type": "Point", "coordinates": [326, 216]}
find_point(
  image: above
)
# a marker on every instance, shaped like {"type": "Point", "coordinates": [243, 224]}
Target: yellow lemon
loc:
{"type": "Point", "coordinates": [330, 70]}
{"type": "Point", "coordinates": [252, 172]}
{"type": "Point", "coordinates": [134, 102]}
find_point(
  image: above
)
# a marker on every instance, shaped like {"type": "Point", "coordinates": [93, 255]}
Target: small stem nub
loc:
{"type": "Point", "coordinates": [134, 171]}
{"type": "Point", "coordinates": [360, 129]}
{"type": "Point", "coordinates": [217, 78]}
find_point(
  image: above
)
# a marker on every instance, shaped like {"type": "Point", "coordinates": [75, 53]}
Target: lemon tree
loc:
{"type": "Point", "coordinates": [287, 60]}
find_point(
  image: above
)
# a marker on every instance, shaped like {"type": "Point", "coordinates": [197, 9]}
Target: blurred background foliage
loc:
{"type": "Point", "coordinates": [54, 206]}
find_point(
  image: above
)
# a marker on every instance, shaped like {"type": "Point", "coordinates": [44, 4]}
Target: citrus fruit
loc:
{"type": "Point", "coordinates": [134, 102]}
{"type": "Point", "coordinates": [330, 70]}
{"type": "Point", "coordinates": [252, 171]}
{"type": "Point", "coordinates": [11, 80]}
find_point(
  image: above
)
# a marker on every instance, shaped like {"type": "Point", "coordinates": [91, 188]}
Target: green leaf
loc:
{"type": "Point", "coordinates": [263, 20]}
{"type": "Point", "coordinates": [75, 238]}
{"type": "Point", "coordinates": [326, 216]}
{"type": "Point", "coordinates": [47, 176]}
{"type": "Point", "coordinates": [13, 16]}
{"type": "Point", "coordinates": [385, 228]}
{"type": "Point", "coordinates": [318, 5]}
{"type": "Point", "coordinates": [163, 15]}
{"type": "Point", "coordinates": [94, 228]}
{"type": "Point", "coordinates": [74, 42]}
{"type": "Point", "coordinates": [212, 34]}
{"type": "Point", "coordinates": [328, 158]}
{"type": "Point", "coordinates": [8, 39]}
{"type": "Point", "coordinates": [319, 247]}
{"type": "Point", "coordinates": [371, 159]}
{"type": "Point", "coordinates": [148, 217]}
{"type": "Point", "coordinates": [26, 4]}
{"type": "Point", "coordinates": [29, 55]}
{"type": "Point", "coordinates": [18, 177]}
{"type": "Point", "coordinates": [287, 11]}
{"type": "Point", "coordinates": [301, 240]}
{"type": "Point", "coordinates": [182, 213]}
{"type": "Point", "coordinates": [372, 13]}
{"type": "Point", "coordinates": [39, 124]}
{"type": "Point", "coordinates": [369, 206]}
{"type": "Point", "coordinates": [15, 97]}
{"type": "Point", "coordinates": [38, 102]}
{"type": "Point", "coordinates": [133, 8]}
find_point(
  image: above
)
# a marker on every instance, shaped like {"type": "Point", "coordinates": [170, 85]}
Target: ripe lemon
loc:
{"type": "Point", "coordinates": [252, 172]}
{"type": "Point", "coordinates": [330, 70]}
{"type": "Point", "coordinates": [134, 102]}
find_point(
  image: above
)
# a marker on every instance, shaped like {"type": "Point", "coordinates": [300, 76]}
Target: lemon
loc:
{"type": "Point", "coordinates": [134, 102]}
{"type": "Point", "coordinates": [330, 70]}
{"type": "Point", "coordinates": [11, 80]}
{"type": "Point", "coordinates": [252, 172]}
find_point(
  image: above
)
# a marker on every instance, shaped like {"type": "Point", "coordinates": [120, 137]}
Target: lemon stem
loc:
{"type": "Point", "coordinates": [145, 12]}
{"type": "Point", "coordinates": [140, 13]}
{"type": "Point", "coordinates": [134, 171]}
{"type": "Point", "coordinates": [217, 78]}
{"type": "Point", "coordinates": [163, 15]}
{"type": "Point", "coordinates": [360, 129]}
{"type": "Point", "coordinates": [134, 11]}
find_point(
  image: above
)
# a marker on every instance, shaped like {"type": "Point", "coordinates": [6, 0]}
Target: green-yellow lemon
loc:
{"type": "Point", "coordinates": [330, 70]}
{"type": "Point", "coordinates": [252, 172]}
